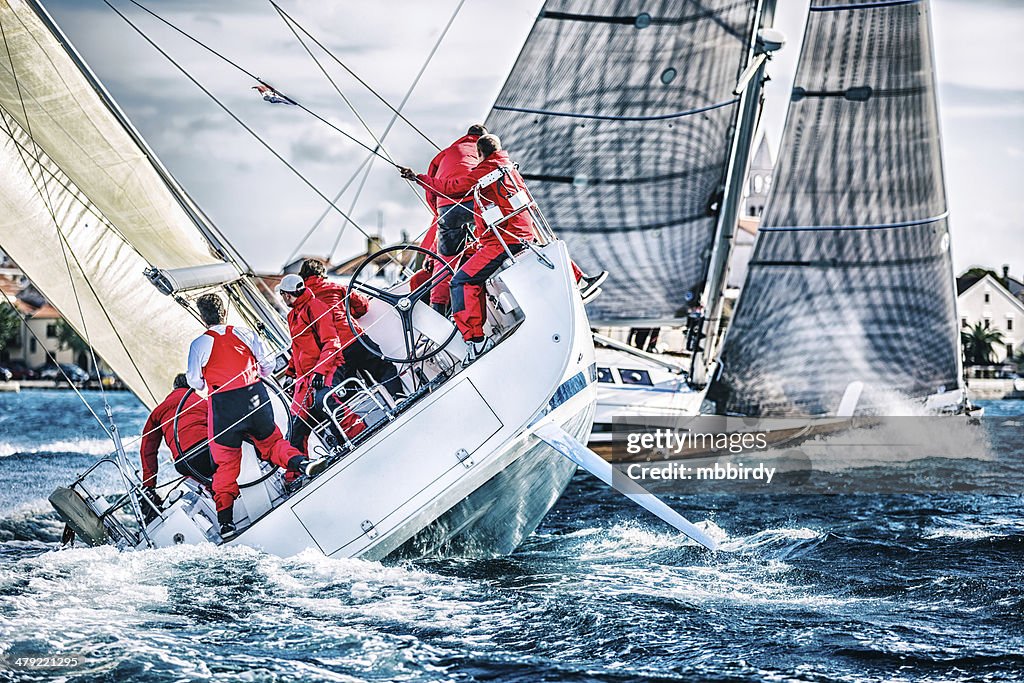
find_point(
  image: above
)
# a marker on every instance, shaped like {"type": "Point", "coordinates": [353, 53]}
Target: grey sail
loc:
{"type": "Point", "coordinates": [620, 116]}
{"type": "Point", "coordinates": [851, 277]}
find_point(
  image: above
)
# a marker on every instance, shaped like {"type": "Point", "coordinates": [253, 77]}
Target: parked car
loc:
{"type": "Point", "coordinates": [70, 370]}
{"type": "Point", "coordinates": [108, 379]}
{"type": "Point", "coordinates": [20, 371]}
{"type": "Point", "coordinates": [6, 375]}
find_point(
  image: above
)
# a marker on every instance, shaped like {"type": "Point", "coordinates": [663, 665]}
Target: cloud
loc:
{"type": "Point", "coordinates": [264, 209]}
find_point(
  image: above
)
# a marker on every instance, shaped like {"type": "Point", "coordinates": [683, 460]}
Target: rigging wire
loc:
{"type": "Point", "coordinates": [240, 68]}
{"type": "Point", "coordinates": [368, 162]}
{"type": "Point", "coordinates": [234, 116]}
{"type": "Point", "coordinates": [366, 85]}
{"type": "Point", "coordinates": [24, 321]}
{"type": "Point", "coordinates": [401, 106]}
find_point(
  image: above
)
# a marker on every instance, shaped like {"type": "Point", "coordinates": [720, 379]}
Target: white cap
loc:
{"type": "Point", "coordinates": [291, 284]}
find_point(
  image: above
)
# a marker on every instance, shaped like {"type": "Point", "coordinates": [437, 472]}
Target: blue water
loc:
{"type": "Point", "coordinates": [913, 586]}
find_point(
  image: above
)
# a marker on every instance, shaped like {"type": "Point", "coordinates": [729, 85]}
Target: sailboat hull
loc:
{"type": "Point", "coordinates": [461, 466]}
{"type": "Point", "coordinates": [497, 517]}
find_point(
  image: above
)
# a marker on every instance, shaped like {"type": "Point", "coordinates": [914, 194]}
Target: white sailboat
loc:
{"type": "Point", "coordinates": [469, 461]}
{"type": "Point", "coordinates": [642, 117]}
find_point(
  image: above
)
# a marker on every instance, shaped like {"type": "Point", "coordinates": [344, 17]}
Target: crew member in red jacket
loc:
{"type": "Point", "coordinates": [316, 355]}
{"type": "Point", "coordinates": [358, 350]}
{"type": "Point", "coordinates": [454, 214]}
{"type": "Point", "coordinates": [227, 362]}
{"type": "Point", "coordinates": [192, 435]}
{"type": "Point", "coordinates": [467, 290]}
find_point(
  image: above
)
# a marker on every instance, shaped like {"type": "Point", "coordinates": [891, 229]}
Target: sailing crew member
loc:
{"type": "Point", "coordinates": [192, 435]}
{"type": "Point", "coordinates": [453, 214]}
{"type": "Point", "coordinates": [467, 285]}
{"type": "Point", "coordinates": [194, 460]}
{"type": "Point", "coordinates": [227, 362]}
{"type": "Point", "coordinates": [316, 355]}
{"type": "Point", "coordinates": [358, 350]}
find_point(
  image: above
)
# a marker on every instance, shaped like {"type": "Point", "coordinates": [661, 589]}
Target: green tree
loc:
{"type": "Point", "coordinates": [979, 342]}
{"type": "Point", "coordinates": [68, 338]}
{"type": "Point", "coordinates": [10, 323]}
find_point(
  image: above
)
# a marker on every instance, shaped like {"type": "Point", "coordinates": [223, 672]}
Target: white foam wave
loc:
{"type": "Point", "coordinates": [83, 446]}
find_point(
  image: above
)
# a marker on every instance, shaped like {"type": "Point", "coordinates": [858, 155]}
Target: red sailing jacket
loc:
{"type": "Point", "coordinates": [521, 226]}
{"type": "Point", "coordinates": [454, 161]}
{"type": "Point", "coordinates": [333, 296]}
{"type": "Point", "coordinates": [316, 347]}
{"type": "Point", "coordinates": [231, 364]}
{"type": "Point", "coordinates": [191, 430]}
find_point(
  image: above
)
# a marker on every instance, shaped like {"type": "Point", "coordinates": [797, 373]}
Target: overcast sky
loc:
{"type": "Point", "coordinates": [265, 210]}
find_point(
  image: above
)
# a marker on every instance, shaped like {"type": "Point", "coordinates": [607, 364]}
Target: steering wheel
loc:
{"type": "Point", "coordinates": [403, 304]}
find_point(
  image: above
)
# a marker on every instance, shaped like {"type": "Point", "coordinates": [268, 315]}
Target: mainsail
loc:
{"type": "Point", "coordinates": [85, 209]}
{"type": "Point", "coordinates": [620, 115]}
{"type": "Point", "coordinates": [851, 279]}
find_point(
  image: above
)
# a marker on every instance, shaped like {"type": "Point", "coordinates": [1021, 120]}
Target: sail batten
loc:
{"type": "Point", "coordinates": [851, 278]}
{"type": "Point", "coordinates": [620, 115]}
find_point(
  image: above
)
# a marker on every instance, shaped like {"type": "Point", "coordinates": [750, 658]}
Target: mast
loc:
{"type": "Point", "coordinates": [703, 330]}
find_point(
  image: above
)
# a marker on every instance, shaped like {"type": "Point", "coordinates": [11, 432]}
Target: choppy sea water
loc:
{"type": "Point", "coordinates": [910, 586]}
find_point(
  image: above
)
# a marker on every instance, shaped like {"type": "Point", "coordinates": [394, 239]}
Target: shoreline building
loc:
{"type": "Point", "coordinates": [983, 297]}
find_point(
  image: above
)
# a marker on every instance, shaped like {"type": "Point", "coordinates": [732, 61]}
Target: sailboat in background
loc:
{"type": "Point", "coordinates": [634, 124]}
{"type": "Point", "coordinates": [851, 282]}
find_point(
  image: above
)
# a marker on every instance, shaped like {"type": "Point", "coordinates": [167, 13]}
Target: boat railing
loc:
{"type": "Point", "coordinates": [105, 509]}
{"type": "Point", "coordinates": [521, 201]}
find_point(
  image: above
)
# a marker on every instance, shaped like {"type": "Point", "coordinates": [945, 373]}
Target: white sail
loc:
{"type": "Point", "coordinates": [71, 165]}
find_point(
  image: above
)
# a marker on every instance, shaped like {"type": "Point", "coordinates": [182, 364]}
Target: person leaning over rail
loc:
{"type": "Point", "coordinates": [452, 217]}
{"type": "Point", "coordinates": [193, 459]}
{"type": "Point", "coordinates": [316, 355]}
{"type": "Point", "coordinates": [227, 362]}
{"type": "Point", "coordinates": [467, 291]}
{"type": "Point", "coordinates": [358, 351]}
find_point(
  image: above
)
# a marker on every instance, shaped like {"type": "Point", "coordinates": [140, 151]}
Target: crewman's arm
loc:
{"type": "Point", "coordinates": [454, 188]}
{"type": "Point", "coordinates": [198, 355]}
{"type": "Point", "coordinates": [150, 448]}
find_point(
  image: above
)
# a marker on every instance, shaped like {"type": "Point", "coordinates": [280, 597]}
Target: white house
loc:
{"type": "Point", "coordinates": [986, 301]}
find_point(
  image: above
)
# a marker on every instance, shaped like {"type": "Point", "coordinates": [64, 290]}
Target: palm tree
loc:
{"type": "Point", "coordinates": [978, 341]}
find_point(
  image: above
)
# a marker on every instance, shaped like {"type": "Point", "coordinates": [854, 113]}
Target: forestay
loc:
{"type": "Point", "coordinates": [620, 116]}
{"type": "Point", "coordinates": [71, 166]}
{"type": "Point", "coordinates": [851, 278]}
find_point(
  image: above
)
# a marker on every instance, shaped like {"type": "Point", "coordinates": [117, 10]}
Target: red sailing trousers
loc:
{"type": "Point", "coordinates": [235, 416]}
{"type": "Point", "coordinates": [469, 296]}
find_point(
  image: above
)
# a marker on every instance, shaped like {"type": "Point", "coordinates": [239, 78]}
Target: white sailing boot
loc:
{"type": "Point", "coordinates": [477, 349]}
